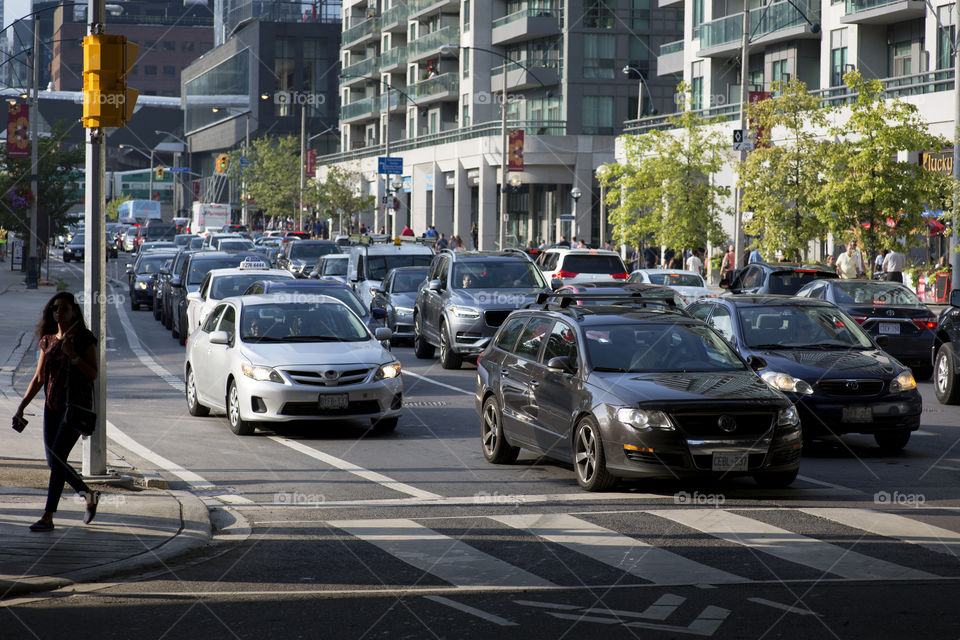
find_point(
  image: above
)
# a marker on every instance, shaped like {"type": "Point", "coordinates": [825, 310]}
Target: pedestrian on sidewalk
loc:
{"type": "Point", "coordinates": [67, 357]}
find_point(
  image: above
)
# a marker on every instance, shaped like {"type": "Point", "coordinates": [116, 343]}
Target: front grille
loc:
{"type": "Point", "coordinates": [708, 424]}
{"type": "Point", "coordinates": [754, 461]}
{"type": "Point", "coordinates": [666, 459]}
{"type": "Point", "coordinates": [496, 318]}
{"type": "Point", "coordinates": [857, 388]}
{"type": "Point", "coordinates": [359, 407]}
{"type": "Point", "coordinates": [317, 378]}
{"type": "Point", "coordinates": [786, 456]}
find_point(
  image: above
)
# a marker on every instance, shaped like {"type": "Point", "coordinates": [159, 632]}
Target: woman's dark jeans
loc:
{"type": "Point", "coordinates": [58, 441]}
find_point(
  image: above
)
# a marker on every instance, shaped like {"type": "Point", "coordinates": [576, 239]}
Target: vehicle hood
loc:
{"type": "Point", "coordinates": [496, 298]}
{"type": "Point", "coordinates": [405, 299]}
{"type": "Point", "coordinates": [817, 364]}
{"type": "Point", "coordinates": [692, 293]}
{"type": "Point", "coordinates": [309, 353]}
{"type": "Point", "coordinates": [743, 388]}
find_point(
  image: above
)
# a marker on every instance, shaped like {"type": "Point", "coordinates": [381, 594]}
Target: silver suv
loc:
{"type": "Point", "coordinates": [466, 297]}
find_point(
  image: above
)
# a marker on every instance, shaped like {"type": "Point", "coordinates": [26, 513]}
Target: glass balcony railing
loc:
{"type": "Point", "coordinates": [773, 17]}
{"type": "Point", "coordinates": [672, 47]}
{"type": "Point", "coordinates": [360, 108]}
{"type": "Point", "coordinates": [360, 31]}
{"type": "Point", "coordinates": [394, 16]}
{"type": "Point", "coordinates": [397, 99]}
{"type": "Point", "coordinates": [529, 64]}
{"type": "Point", "coordinates": [363, 68]}
{"type": "Point", "coordinates": [856, 6]}
{"type": "Point", "coordinates": [526, 13]}
{"type": "Point", "coordinates": [393, 57]}
{"type": "Point", "coordinates": [446, 37]}
{"type": "Point", "coordinates": [445, 83]}
{"type": "Point", "coordinates": [722, 31]}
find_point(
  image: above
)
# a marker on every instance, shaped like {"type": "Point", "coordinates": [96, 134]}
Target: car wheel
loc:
{"type": "Point", "coordinates": [588, 459]}
{"type": "Point", "coordinates": [496, 449]}
{"type": "Point", "coordinates": [892, 442]}
{"type": "Point", "coordinates": [945, 380]}
{"type": "Point", "coordinates": [384, 425]}
{"type": "Point", "coordinates": [238, 425]}
{"type": "Point", "coordinates": [421, 348]}
{"type": "Point", "coordinates": [193, 404]}
{"type": "Point", "coordinates": [775, 479]}
{"type": "Point", "coordinates": [449, 359]}
{"type": "Point", "coordinates": [181, 333]}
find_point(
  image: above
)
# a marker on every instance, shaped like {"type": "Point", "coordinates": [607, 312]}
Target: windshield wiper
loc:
{"type": "Point", "coordinates": [772, 346]}
{"type": "Point", "coordinates": [265, 339]}
{"type": "Point", "coordinates": [316, 339]}
{"type": "Point", "coordinates": [611, 369]}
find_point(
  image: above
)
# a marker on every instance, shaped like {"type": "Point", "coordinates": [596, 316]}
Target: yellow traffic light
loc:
{"type": "Point", "coordinates": [221, 163]}
{"type": "Point", "coordinates": [107, 102]}
{"type": "Point", "coordinates": [159, 175]}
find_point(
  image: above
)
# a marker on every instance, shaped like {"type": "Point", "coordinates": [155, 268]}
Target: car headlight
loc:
{"type": "Point", "coordinates": [903, 382]}
{"type": "Point", "coordinates": [261, 373]}
{"type": "Point", "coordinates": [465, 312]}
{"type": "Point", "coordinates": [142, 285]}
{"type": "Point", "coordinates": [788, 417]}
{"type": "Point", "coordinates": [404, 310]}
{"type": "Point", "coordinates": [389, 370]}
{"type": "Point", "coordinates": [786, 382]}
{"type": "Point", "coordinates": [645, 419]}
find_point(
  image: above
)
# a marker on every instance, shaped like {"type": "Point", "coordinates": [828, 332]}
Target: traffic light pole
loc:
{"type": "Point", "coordinates": [94, 273]}
{"type": "Point", "coordinates": [33, 258]}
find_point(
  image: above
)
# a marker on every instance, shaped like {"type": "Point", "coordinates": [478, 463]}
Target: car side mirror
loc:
{"type": "Point", "coordinates": [435, 285]}
{"type": "Point", "coordinates": [382, 333]}
{"type": "Point", "coordinates": [756, 363]}
{"type": "Point", "coordinates": [194, 295]}
{"type": "Point", "coordinates": [556, 283]}
{"type": "Point", "coordinates": [377, 290]}
{"type": "Point", "coordinates": [882, 341]}
{"type": "Point", "coordinates": [219, 337]}
{"type": "Point", "coordinates": [129, 268]}
{"type": "Point", "coordinates": [560, 364]}
{"type": "Point", "coordinates": [955, 298]}
{"type": "Point", "coordinates": [378, 314]}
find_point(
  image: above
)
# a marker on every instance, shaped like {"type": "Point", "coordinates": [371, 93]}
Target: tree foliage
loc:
{"type": "Point", "coordinates": [272, 173]}
{"type": "Point", "coordinates": [113, 207]}
{"type": "Point", "coordinates": [340, 194]}
{"type": "Point", "coordinates": [783, 183]}
{"type": "Point", "coordinates": [664, 188]}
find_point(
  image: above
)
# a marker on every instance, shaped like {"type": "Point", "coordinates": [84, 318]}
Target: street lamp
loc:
{"type": "Point", "coordinates": [643, 83]}
{"type": "Point", "coordinates": [575, 193]}
{"type": "Point", "coordinates": [189, 155]}
{"type": "Point", "coordinates": [144, 154]}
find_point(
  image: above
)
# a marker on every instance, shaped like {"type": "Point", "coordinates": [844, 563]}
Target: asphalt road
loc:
{"type": "Point", "coordinates": [414, 535]}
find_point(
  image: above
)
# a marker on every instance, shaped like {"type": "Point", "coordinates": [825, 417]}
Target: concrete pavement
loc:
{"type": "Point", "coordinates": [134, 528]}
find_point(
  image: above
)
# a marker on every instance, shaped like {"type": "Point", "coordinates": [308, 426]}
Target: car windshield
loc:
{"type": "Point", "coordinates": [592, 263]}
{"type": "Point", "coordinates": [344, 294]}
{"type": "Point", "coordinates": [408, 281]}
{"type": "Point", "coordinates": [676, 279]}
{"type": "Point", "coordinates": [303, 321]}
{"type": "Point", "coordinates": [789, 282]}
{"type": "Point", "coordinates": [195, 243]}
{"type": "Point", "coordinates": [199, 268]}
{"type": "Point", "coordinates": [496, 274]}
{"type": "Point", "coordinates": [151, 264]}
{"type": "Point", "coordinates": [875, 293]}
{"type": "Point", "coordinates": [236, 245]}
{"type": "Point", "coordinates": [182, 240]}
{"type": "Point", "coordinates": [379, 266]}
{"type": "Point", "coordinates": [800, 326]}
{"type": "Point", "coordinates": [308, 250]}
{"type": "Point", "coordinates": [234, 284]}
{"type": "Point", "coordinates": [77, 239]}
{"type": "Point", "coordinates": [335, 267]}
{"type": "Point", "coordinates": [659, 347]}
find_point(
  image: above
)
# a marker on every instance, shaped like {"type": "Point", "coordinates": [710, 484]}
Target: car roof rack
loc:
{"type": "Point", "coordinates": [515, 250]}
{"type": "Point", "coordinates": [565, 298]}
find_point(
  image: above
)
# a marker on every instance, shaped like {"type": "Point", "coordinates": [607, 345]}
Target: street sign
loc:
{"type": "Point", "coordinates": [389, 165]}
{"type": "Point", "coordinates": [566, 217]}
{"type": "Point", "coordinates": [178, 170]}
{"type": "Point", "coordinates": [741, 140]}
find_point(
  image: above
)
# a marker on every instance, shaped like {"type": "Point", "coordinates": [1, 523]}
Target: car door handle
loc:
{"type": "Point", "coordinates": [505, 373]}
{"type": "Point", "coordinates": [534, 384]}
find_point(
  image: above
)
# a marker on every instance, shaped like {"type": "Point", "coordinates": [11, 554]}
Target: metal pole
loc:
{"type": "Point", "coordinates": [150, 196]}
{"type": "Point", "coordinates": [243, 175]}
{"type": "Point", "coordinates": [744, 77]}
{"type": "Point", "coordinates": [386, 152]}
{"type": "Point", "coordinates": [94, 275]}
{"type": "Point", "coordinates": [503, 160]}
{"type": "Point", "coordinates": [955, 223]}
{"type": "Point", "coordinates": [640, 97]}
{"type": "Point", "coordinates": [303, 145]}
{"type": "Point", "coordinates": [33, 264]}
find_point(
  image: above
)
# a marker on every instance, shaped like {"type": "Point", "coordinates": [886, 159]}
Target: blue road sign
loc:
{"type": "Point", "coordinates": [178, 170]}
{"type": "Point", "coordinates": [390, 165]}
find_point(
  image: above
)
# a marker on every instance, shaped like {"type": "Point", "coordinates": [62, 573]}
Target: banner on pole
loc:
{"type": "Point", "coordinates": [18, 130]}
{"type": "Point", "coordinates": [310, 170]}
{"type": "Point", "coordinates": [762, 138]}
{"type": "Point", "coordinates": [515, 151]}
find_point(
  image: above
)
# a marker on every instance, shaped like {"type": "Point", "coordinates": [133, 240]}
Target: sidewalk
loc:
{"type": "Point", "coordinates": [134, 529]}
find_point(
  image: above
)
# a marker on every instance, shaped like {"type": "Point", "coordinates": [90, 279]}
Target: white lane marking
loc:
{"type": "Point", "coordinates": [787, 545]}
{"type": "Point", "coordinates": [142, 355]}
{"type": "Point", "coordinates": [921, 432]}
{"type": "Point", "coordinates": [891, 525]}
{"type": "Point", "coordinates": [439, 555]}
{"type": "Point", "coordinates": [662, 609]}
{"type": "Point", "coordinates": [617, 550]}
{"type": "Point", "coordinates": [783, 607]}
{"type": "Point", "coordinates": [194, 480]}
{"type": "Point", "coordinates": [437, 382]}
{"type": "Point", "coordinates": [827, 484]}
{"type": "Point", "coordinates": [362, 472]}
{"type": "Point", "coordinates": [459, 606]}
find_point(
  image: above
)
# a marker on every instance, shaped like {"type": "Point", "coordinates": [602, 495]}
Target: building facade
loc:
{"type": "Point", "coordinates": [423, 80]}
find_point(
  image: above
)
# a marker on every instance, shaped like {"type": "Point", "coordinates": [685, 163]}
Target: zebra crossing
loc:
{"type": "Point", "coordinates": [662, 546]}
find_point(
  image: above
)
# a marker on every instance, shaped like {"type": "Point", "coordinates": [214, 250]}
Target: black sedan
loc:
{"type": "Point", "coordinates": [396, 297]}
{"type": "Point", "coordinates": [840, 379]}
{"type": "Point", "coordinates": [885, 309]}
{"type": "Point", "coordinates": [142, 276]}
{"type": "Point", "coordinates": [777, 277]}
{"type": "Point", "coordinates": [74, 249]}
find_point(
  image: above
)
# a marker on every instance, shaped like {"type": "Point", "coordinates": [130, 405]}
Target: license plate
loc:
{"type": "Point", "coordinates": [333, 401]}
{"type": "Point", "coordinates": [729, 461]}
{"type": "Point", "coordinates": [890, 328]}
{"type": "Point", "coordinates": [858, 414]}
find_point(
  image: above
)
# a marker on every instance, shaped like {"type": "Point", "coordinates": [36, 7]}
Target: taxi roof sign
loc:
{"type": "Point", "coordinates": [253, 263]}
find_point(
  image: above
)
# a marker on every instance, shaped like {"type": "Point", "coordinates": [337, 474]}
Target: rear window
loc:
{"type": "Point", "coordinates": [199, 268]}
{"type": "Point", "coordinates": [677, 279]}
{"type": "Point", "coordinates": [789, 282]}
{"type": "Point", "coordinates": [597, 263]}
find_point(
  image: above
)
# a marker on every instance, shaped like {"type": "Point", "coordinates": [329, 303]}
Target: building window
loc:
{"type": "Point", "coordinates": [169, 70]}
{"type": "Point", "coordinates": [698, 13]}
{"type": "Point", "coordinates": [466, 16]}
{"type": "Point", "coordinates": [187, 46]}
{"type": "Point", "coordinates": [599, 53]}
{"type": "Point", "coordinates": [838, 56]}
{"type": "Point", "coordinates": [230, 79]}
{"type": "Point", "coordinates": [412, 32]}
{"type": "Point", "coordinates": [284, 63]}
{"type": "Point", "coordinates": [639, 49]}
{"type": "Point", "coordinates": [412, 123]}
{"type": "Point", "coordinates": [466, 63]}
{"type": "Point", "coordinates": [434, 122]}
{"type": "Point", "coordinates": [945, 34]}
{"type": "Point", "coordinates": [597, 15]}
{"type": "Point", "coordinates": [465, 113]}
{"type": "Point", "coordinates": [315, 73]}
{"type": "Point", "coordinates": [150, 70]}
{"type": "Point", "coordinates": [640, 15]}
{"type": "Point", "coordinates": [696, 86]}
{"type": "Point", "coordinates": [169, 45]}
{"type": "Point", "coordinates": [779, 70]}
{"type": "Point", "coordinates": [598, 115]}
{"type": "Point", "coordinates": [900, 59]}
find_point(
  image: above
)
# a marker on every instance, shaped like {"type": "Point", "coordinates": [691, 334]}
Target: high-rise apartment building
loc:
{"type": "Point", "coordinates": [424, 79]}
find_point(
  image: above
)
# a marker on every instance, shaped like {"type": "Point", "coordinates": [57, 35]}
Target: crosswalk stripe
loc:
{"type": "Point", "coordinates": [447, 558]}
{"type": "Point", "coordinates": [891, 525]}
{"type": "Point", "coordinates": [788, 545]}
{"type": "Point", "coordinates": [617, 550]}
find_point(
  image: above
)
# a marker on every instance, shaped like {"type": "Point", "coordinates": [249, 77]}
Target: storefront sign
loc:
{"type": "Point", "coordinates": [941, 162]}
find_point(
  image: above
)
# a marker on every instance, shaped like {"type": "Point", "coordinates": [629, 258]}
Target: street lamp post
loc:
{"type": "Point", "coordinates": [145, 155]}
{"type": "Point", "coordinates": [643, 83]}
{"type": "Point", "coordinates": [575, 193]}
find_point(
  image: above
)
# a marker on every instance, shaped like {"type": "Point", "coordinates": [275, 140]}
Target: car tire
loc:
{"type": "Point", "coordinates": [238, 425]}
{"type": "Point", "coordinates": [384, 425]}
{"type": "Point", "coordinates": [892, 442]}
{"type": "Point", "coordinates": [775, 479]}
{"type": "Point", "coordinates": [181, 334]}
{"type": "Point", "coordinates": [944, 376]}
{"type": "Point", "coordinates": [449, 359]}
{"type": "Point", "coordinates": [421, 348]}
{"type": "Point", "coordinates": [496, 448]}
{"type": "Point", "coordinates": [589, 461]}
{"type": "Point", "coordinates": [193, 404]}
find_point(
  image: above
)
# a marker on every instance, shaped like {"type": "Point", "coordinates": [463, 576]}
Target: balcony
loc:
{"type": "Point", "coordinates": [526, 24]}
{"type": "Point", "coordinates": [430, 44]}
{"type": "Point", "coordinates": [419, 8]}
{"type": "Point", "coordinates": [394, 19]}
{"type": "Point", "coordinates": [360, 109]}
{"type": "Point", "coordinates": [670, 60]}
{"type": "Point", "coordinates": [546, 71]}
{"type": "Point", "coordinates": [777, 22]}
{"type": "Point", "coordinates": [369, 29]}
{"type": "Point", "coordinates": [663, 4]}
{"type": "Point", "coordinates": [393, 60]}
{"type": "Point", "coordinates": [442, 87]}
{"type": "Point", "coordinates": [363, 68]}
{"type": "Point", "coordinates": [882, 11]}
{"type": "Point", "coordinates": [398, 101]}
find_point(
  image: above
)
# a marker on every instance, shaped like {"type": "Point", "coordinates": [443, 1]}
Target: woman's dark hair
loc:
{"type": "Point", "coordinates": [47, 324]}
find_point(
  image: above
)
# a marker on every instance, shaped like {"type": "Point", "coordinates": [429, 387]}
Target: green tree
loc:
{"type": "Point", "coordinates": [664, 188]}
{"type": "Point", "coordinates": [113, 206]}
{"type": "Point", "coordinates": [272, 173]}
{"type": "Point", "coordinates": [340, 195]}
{"type": "Point", "coordinates": [869, 191]}
{"type": "Point", "coordinates": [783, 182]}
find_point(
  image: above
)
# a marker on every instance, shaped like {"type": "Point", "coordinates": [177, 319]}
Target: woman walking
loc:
{"type": "Point", "coordinates": [67, 358]}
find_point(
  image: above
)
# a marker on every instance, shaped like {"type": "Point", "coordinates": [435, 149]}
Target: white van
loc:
{"type": "Point", "coordinates": [370, 263]}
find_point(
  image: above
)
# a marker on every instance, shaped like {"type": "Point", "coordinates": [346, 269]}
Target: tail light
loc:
{"type": "Point", "coordinates": [859, 319]}
{"type": "Point", "coordinates": [565, 274]}
{"type": "Point", "coordinates": [623, 275]}
{"type": "Point", "coordinates": [925, 323]}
